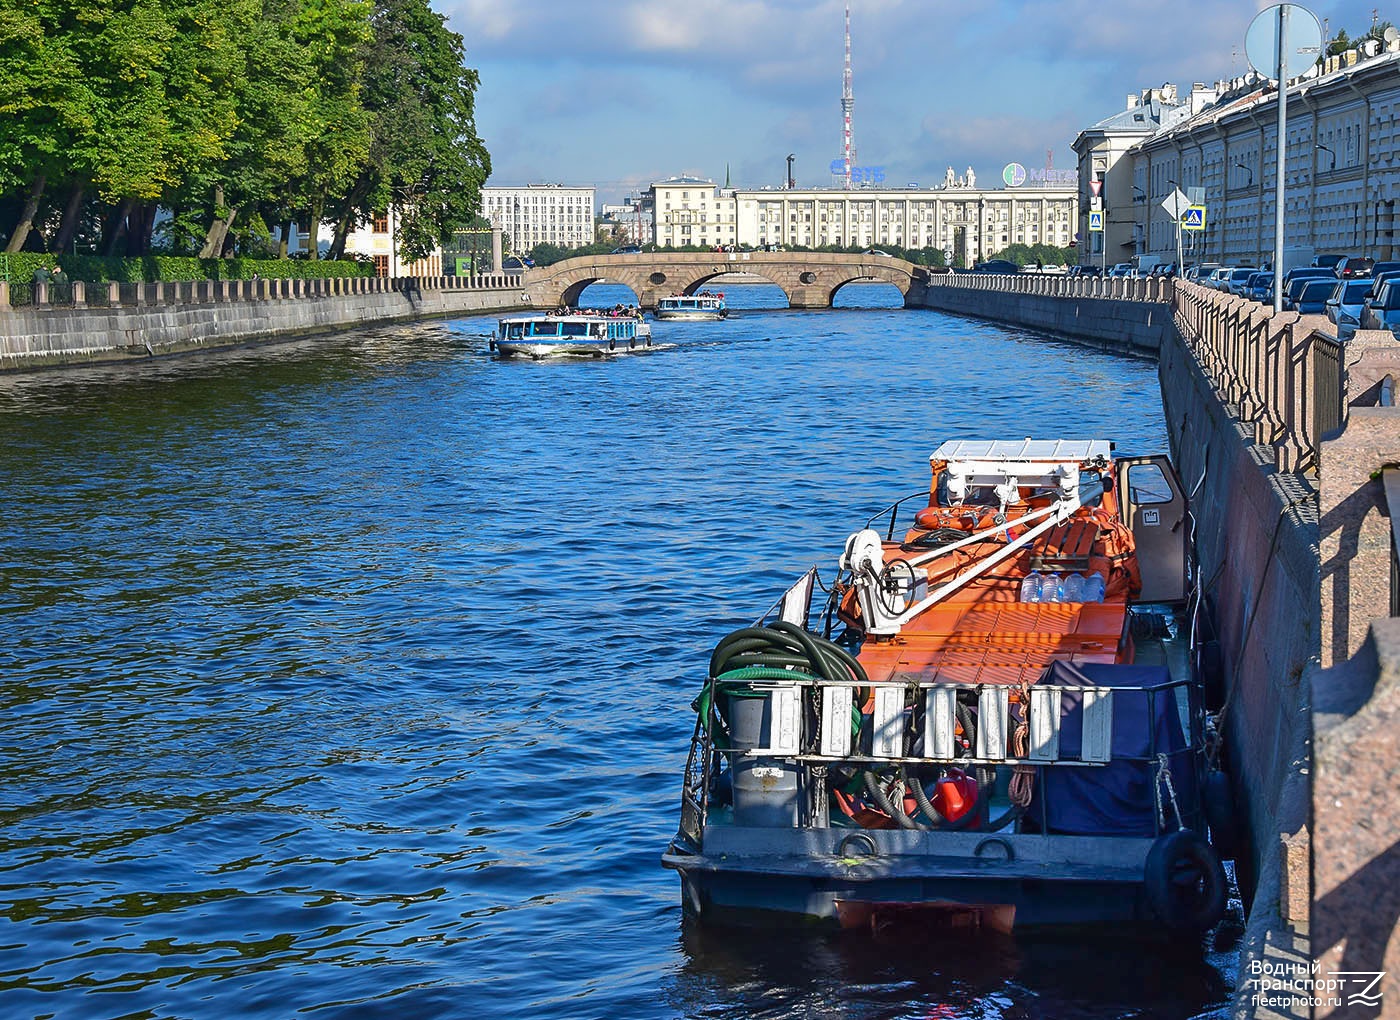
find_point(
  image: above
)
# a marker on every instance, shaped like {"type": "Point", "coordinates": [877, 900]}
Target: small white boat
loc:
{"type": "Point", "coordinates": [587, 333]}
{"type": "Point", "coordinates": [693, 307]}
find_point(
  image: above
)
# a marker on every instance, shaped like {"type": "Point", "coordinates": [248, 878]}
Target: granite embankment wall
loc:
{"type": "Point", "coordinates": [1288, 440]}
{"type": "Point", "coordinates": [1256, 528]}
{"type": "Point", "coordinates": [1122, 314]}
{"type": "Point", "coordinates": [112, 322]}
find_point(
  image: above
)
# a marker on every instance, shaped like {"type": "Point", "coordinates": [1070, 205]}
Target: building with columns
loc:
{"type": "Point", "coordinates": [960, 219]}
{"type": "Point", "coordinates": [1341, 178]}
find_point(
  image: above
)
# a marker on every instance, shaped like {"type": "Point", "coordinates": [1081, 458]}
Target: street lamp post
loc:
{"type": "Point", "coordinates": [1329, 152]}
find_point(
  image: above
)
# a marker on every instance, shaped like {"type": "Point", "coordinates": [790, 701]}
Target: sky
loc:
{"type": "Point", "coordinates": [617, 94]}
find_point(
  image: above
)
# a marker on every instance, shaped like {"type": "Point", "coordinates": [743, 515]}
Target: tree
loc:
{"type": "Point", "coordinates": [424, 156]}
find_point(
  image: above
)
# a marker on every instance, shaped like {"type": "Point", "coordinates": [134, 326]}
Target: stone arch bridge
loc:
{"type": "Point", "coordinates": [809, 279]}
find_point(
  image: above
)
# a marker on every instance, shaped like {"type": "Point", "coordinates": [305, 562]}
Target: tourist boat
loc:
{"type": "Point", "coordinates": [588, 333]}
{"type": "Point", "coordinates": [991, 722]}
{"type": "Point", "coordinates": [692, 307]}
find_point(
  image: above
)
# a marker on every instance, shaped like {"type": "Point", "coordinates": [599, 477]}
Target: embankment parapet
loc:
{"type": "Point", "coordinates": [105, 322]}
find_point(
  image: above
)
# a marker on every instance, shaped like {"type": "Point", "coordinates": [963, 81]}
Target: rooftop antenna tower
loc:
{"type": "Point", "coordinates": [848, 102]}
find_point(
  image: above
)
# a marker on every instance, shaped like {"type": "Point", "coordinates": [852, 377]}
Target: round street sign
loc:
{"type": "Point", "coordinates": [1304, 40]}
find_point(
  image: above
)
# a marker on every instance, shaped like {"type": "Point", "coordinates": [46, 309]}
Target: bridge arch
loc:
{"type": "Point", "coordinates": [808, 279]}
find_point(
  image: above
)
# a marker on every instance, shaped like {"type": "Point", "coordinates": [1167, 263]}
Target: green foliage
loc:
{"type": "Point", "coordinates": [229, 115]}
{"type": "Point", "coordinates": [150, 268]}
{"type": "Point", "coordinates": [546, 254]}
{"type": "Point", "coordinates": [1037, 254]}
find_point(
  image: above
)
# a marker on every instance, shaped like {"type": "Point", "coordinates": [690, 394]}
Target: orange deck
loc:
{"type": "Point", "coordinates": [981, 637]}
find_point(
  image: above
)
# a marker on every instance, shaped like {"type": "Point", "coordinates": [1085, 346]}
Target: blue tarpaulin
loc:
{"type": "Point", "coordinates": [1116, 799]}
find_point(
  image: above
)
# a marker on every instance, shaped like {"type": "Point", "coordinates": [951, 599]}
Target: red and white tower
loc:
{"type": "Point", "coordinates": [847, 103]}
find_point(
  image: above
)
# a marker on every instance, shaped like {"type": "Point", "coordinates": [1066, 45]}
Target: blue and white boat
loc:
{"type": "Point", "coordinates": [692, 307]}
{"type": "Point", "coordinates": [544, 335]}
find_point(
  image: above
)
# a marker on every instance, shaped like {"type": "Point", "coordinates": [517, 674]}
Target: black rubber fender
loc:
{"type": "Point", "coordinates": [1218, 805]}
{"type": "Point", "coordinates": [1185, 882]}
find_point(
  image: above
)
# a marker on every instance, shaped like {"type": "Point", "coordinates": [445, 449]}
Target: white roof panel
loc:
{"type": "Point", "coordinates": [1023, 449]}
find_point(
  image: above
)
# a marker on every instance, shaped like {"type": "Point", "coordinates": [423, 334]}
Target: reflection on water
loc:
{"type": "Point", "coordinates": [352, 676]}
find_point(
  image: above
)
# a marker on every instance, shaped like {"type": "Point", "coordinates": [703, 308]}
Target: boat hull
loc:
{"type": "Point", "coordinates": [596, 350]}
{"type": "Point", "coordinates": [675, 316]}
{"type": "Point", "coordinates": [990, 881]}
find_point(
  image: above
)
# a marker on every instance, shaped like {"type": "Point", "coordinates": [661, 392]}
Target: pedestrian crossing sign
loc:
{"type": "Point", "coordinates": [1095, 219]}
{"type": "Point", "coordinates": [1194, 218]}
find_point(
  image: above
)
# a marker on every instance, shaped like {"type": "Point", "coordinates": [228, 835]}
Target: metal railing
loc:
{"type": "Point", "coordinates": [1327, 377]}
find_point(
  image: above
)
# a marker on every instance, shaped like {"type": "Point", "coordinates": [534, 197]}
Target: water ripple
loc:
{"type": "Point", "coordinates": [351, 677]}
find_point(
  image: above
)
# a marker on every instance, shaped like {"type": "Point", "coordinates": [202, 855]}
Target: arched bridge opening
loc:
{"type": "Point", "coordinates": [806, 279]}
{"type": "Point", "coordinates": [867, 292]}
{"type": "Point", "coordinates": [599, 291]}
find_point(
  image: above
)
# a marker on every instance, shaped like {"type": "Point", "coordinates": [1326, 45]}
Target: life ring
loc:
{"type": "Point", "coordinates": [1185, 882]}
{"type": "Point", "coordinates": [631, 343]}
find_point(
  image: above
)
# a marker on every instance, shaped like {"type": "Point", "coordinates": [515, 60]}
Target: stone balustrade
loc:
{"type": "Point", "coordinates": [80, 294]}
{"type": "Point", "coordinates": [75, 323]}
{"type": "Point", "coordinates": [1117, 288]}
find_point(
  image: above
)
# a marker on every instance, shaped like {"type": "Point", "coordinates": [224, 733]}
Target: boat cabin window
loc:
{"type": "Point", "coordinates": [574, 328]}
{"type": "Point", "coordinates": [513, 330]}
{"type": "Point", "coordinates": [1147, 484]}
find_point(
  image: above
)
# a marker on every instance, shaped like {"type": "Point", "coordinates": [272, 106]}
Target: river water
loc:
{"type": "Point", "coordinates": [351, 677]}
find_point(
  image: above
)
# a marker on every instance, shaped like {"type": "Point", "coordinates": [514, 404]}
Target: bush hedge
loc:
{"type": "Point", "coordinates": [20, 266]}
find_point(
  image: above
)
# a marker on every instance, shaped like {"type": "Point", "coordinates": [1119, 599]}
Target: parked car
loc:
{"type": "Point", "coordinates": [1351, 266]}
{"type": "Point", "coordinates": [1380, 268]}
{"type": "Point", "coordinates": [997, 266]}
{"type": "Point", "coordinates": [627, 249]}
{"type": "Point", "coordinates": [1121, 269]}
{"type": "Point", "coordinates": [1326, 261]}
{"type": "Point", "coordinates": [513, 264]}
{"type": "Point", "coordinates": [1344, 306]}
{"type": "Point", "coordinates": [1085, 270]}
{"type": "Point", "coordinates": [1306, 273]}
{"type": "Point", "coordinates": [1239, 276]}
{"type": "Point", "coordinates": [877, 251]}
{"type": "Point", "coordinates": [1312, 298]}
{"type": "Point", "coordinates": [1200, 272]}
{"type": "Point", "coordinates": [1218, 277]}
{"type": "Point", "coordinates": [1379, 278]}
{"type": "Point", "coordinates": [1294, 280]}
{"type": "Point", "coordinates": [1261, 287]}
{"type": "Point", "coordinates": [1382, 309]}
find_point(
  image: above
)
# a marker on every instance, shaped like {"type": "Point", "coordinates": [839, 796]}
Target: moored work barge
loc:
{"type": "Point", "coordinates": [993, 721]}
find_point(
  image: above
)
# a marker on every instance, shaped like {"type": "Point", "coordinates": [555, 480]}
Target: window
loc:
{"type": "Point", "coordinates": [381, 265]}
{"type": "Point", "coordinates": [381, 223]}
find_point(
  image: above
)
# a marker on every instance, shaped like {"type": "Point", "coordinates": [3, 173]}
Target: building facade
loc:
{"type": "Point", "coordinates": [377, 239]}
{"type": "Point", "coordinates": [967, 223]}
{"type": "Point", "coordinates": [693, 211]}
{"type": "Point", "coordinates": [541, 214]}
{"type": "Point", "coordinates": [1341, 171]}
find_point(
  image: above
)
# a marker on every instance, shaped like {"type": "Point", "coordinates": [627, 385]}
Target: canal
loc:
{"type": "Point", "coordinates": [351, 677]}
